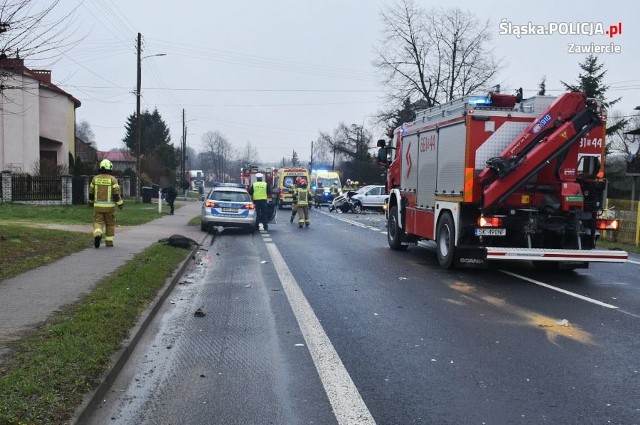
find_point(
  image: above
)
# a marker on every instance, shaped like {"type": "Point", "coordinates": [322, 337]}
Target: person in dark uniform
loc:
{"type": "Point", "coordinates": [170, 196]}
{"type": "Point", "coordinates": [185, 188]}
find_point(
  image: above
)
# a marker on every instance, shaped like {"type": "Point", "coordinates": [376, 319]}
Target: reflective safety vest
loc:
{"type": "Point", "coordinates": [106, 193]}
{"type": "Point", "coordinates": [303, 197]}
{"type": "Point", "coordinates": [259, 191]}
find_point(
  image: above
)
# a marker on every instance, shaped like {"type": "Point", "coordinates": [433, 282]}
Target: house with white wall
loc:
{"type": "Point", "coordinates": [37, 119]}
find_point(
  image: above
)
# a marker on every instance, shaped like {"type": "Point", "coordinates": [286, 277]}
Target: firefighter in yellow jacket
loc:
{"type": "Point", "coordinates": [104, 196]}
{"type": "Point", "coordinates": [294, 199]}
{"type": "Point", "coordinates": [304, 200]}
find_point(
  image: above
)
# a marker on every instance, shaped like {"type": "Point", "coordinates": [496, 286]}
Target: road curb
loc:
{"type": "Point", "coordinates": [92, 400]}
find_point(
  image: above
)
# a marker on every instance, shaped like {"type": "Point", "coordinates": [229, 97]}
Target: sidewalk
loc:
{"type": "Point", "coordinates": [30, 298]}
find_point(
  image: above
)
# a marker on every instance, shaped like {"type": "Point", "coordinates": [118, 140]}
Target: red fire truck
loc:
{"type": "Point", "coordinates": [501, 178]}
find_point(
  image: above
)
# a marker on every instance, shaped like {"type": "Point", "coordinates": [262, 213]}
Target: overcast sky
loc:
{"type": "Point", "coordinates": [276, 73]}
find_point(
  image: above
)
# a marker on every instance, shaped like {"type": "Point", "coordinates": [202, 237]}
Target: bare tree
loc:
{"type": "Point", "coordinates": [28, 30]}
{"type": "Point", "coordinates": [219, 154]}
{"type": "Point", "coordinates": [404, 55]}
{"type": "Point", "coordinates": [618, 142]}
{"type": "Point", "coordinates": [433, 56]}
{"type": "Point", "coordinates": [462, 41]}
{"type": "Point", "coordinates": [322, 154]}
{"type": "Point", "coordinates": [84, 131]}
{"type": "Point", "coordinates": [249, 155]}
{"type": "Point", "coordinates": [352, 144]}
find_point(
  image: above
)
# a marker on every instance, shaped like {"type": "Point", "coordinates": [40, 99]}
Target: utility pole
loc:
{"type": "Point", "coordinates": [138, 119]}
{"type": "Point", "coordinates": [183, 168]}
{"type": "Point", "coordinates": [138, 123]}
{"type": "Point", "coordinates": [333, 165]}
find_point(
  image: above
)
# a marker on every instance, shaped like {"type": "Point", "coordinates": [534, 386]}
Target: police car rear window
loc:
{"type": "Point", "coordinates": [230, 196]}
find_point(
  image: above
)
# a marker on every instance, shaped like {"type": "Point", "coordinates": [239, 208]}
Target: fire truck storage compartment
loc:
{"type": "Point", "coordinates": [451, 159]}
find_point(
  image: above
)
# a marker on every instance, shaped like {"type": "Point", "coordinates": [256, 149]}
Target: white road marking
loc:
{"type": "Point", "coordinates": [573, 294]}
{"type": "Point", "coordinates": [564, 291]}
{"type": "Point", "coordinates": [347, 403]}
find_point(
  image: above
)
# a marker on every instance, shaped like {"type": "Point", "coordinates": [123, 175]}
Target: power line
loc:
{"type": "Point", "coordinates": [242, 90]}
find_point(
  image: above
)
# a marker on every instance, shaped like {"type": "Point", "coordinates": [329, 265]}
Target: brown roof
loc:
{"type": "Point", "coordinates": [117, 156]}
{"type": "Point", "coordinates": [42, 76]}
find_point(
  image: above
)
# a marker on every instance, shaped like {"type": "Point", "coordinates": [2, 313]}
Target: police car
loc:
{"type": "Point", "coordinates": [228, 205]}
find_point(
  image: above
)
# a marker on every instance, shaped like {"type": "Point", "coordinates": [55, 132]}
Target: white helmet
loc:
{"type": "Point", "coordinates": [259, 175]}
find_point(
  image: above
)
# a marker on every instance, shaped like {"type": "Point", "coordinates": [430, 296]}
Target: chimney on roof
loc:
{"type": "Point", "coordinates": [43, 75]}
{"type": "Point", "coordinates": [14, 64]}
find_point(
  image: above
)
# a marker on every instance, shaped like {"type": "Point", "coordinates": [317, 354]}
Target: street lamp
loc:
{"type": "Point", "coordinates": [138, 122]}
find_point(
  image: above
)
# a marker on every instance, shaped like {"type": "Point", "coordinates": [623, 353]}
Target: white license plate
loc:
{"type": "Point", "coordinates": [230, 210]}
{"type": "Point", "coordinates": [491, 232]}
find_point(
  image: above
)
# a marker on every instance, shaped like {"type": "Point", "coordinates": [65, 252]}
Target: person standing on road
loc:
{"type": "Point", "coordinates": [294, 199]}
{"type": "Point", "coordinates": [304, 200]}
{"type": "Point", "coordinates": [170, 196]}
{"type": "Point", "coordinates": [185, 189]}
{"type": "Point", "coordinates": [334, 190]}
{"type": "Point", "coordinates": [259, 192]}
{"type": "Point", "coordinates": [104, 196]}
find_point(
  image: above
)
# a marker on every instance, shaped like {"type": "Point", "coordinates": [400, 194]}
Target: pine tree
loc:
{"type": "Point", "coordinates": [591, 83]}
{"type": "Point", "coordinates": [543, 87]}
{"type": "Point", "coordinates": [295, 162]}
{"type": "Point", "coordinates": [155, 144]}
{"type": "Point", "coordinates": [406, 114]}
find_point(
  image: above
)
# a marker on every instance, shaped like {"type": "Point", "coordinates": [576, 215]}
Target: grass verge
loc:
{"type": "Point", "coordinates": [49, 371]}
{"type": "Point", "coordinates": [132, 214]}
{"type": "Point", "coordinates": [195, 221]}
{"type": "Point", "coordinates": [24, 248]}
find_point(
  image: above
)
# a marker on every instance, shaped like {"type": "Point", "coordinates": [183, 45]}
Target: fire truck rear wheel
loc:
{"type": "Point", "coordinates": [395, 234]}
{"type": "Point", "coordinates": [445, 241]}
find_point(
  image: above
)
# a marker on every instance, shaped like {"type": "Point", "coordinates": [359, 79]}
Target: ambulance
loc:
{"type": "Point", "coordinates": [284, 181]}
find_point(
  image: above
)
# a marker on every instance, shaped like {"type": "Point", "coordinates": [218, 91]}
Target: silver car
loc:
{"type": "Point", "coordinates": [228, 205]}
{"type": "Point", "coordinates": [370, 197]}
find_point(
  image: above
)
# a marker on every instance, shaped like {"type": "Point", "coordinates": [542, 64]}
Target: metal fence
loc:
{"type": "Point", "coordinates": [78, 195]}
{"type": "Point", "coordinates": [61, 190]}
{"type": "Point", "coordinates": [34, 188]}
{"type": "Point", "coordinates": [629, 214]}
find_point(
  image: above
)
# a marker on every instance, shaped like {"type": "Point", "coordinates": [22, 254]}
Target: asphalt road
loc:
{"type": "Point", "coordinates": [328, 325]}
